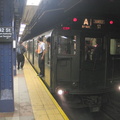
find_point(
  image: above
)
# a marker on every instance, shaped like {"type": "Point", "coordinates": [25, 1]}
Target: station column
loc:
{"type": "Point", "coordinates": [6, 55]}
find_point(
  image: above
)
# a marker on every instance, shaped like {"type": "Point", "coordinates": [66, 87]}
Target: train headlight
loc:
{"type": "Point", "coordinates": [60, 91]}
{"type": "Point", "coordinates": [119, 87]}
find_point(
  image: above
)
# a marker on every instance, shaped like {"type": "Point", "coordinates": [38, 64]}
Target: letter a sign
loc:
{"type": "Point", "coordinates": [86, 23]}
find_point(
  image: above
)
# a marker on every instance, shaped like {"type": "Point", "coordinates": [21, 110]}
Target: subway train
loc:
{"type": "Point", "coordinates": [82, 58]}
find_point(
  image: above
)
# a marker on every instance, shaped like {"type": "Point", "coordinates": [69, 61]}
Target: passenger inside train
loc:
{"type": "Point", "coordinates": [93, 49]}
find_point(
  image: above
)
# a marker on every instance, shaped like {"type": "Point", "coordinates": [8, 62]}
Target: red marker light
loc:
{"type": "Point", "coordinates": [75, 19]}
{"type": "Point", "coordinates": [66, 28]}
{"type": "Point", "coordinates": [111, 22]}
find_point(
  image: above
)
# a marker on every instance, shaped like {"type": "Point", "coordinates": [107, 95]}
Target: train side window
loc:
{"type": "Point", "coordinates": [48, 50]}
{"type": "Point", "coordinates": [67, 45]}
{"type": "Point", "coordinates": [93, 49]}
{"type": "Point", "coordinates": [35, 46]}
{"type": "Point", "coordinates": [114, 46]}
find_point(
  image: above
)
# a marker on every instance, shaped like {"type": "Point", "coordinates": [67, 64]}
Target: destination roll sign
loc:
{"type": "Point", "coordinates": [5, 33]}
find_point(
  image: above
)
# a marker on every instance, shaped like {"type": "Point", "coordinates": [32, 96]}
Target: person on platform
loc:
{"type": "Point", "coordinates": [20, 55]}
{"type": "Point", "coordinates": [41, 55]}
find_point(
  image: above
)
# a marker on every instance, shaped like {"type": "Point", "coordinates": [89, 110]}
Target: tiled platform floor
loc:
{"type": "Point", "coordinates": [32, 100]}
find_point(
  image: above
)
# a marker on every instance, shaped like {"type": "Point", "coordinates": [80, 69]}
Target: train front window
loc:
{"type": "Point", "coordinates": [114, 46]}
{"type": "Point", "coordinates": [93, 49]}
{"type": "Point", "coordinates": [67, 45]}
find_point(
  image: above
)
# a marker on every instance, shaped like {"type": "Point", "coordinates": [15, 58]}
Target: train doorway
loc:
{"type": "Point", "coordinates": [65, 54]}
{"type": "Point", "coordinates": [93, 62]}
{"type": "Point", "coordinates": [80, 60]}
{"type": "Point", "coordinates": [113, 69]}
{"type": "Point", "coordinates": [80, 65]}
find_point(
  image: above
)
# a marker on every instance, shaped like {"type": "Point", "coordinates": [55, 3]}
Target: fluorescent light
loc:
{"type": "Point", "coordinates": [22, 27]}
{"type": "Point", "coordinates": [14, 43]}
{"type": "Point", "coordinates": [19, 39]}
{"type": "Point", "coordinates": [33, 2]}
{"type": "Point", "coordinates": [21, 32]}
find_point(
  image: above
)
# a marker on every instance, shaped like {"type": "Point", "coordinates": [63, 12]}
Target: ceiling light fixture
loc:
{"type": "Point", "coordinates": [33, 2]}
{"type": "Point", "coordinates": [22, 27]}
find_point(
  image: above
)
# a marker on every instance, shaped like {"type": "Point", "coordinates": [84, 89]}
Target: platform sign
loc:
{"type": "Point", "coordinates": [87, 23]}
{"type": "Point", "coordinates": [5, 33]}
{"type": "Point", "coordinates": [98, 21]}
{"type": "Point", "coordinates": [93, 23]}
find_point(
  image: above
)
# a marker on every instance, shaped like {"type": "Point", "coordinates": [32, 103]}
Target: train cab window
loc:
{"type": "Point", "coordinates": [67, 45]}
{"type": "Point", "coordinates": [93, 49]}
{"type": "Point", "coordinates": [114, 46]}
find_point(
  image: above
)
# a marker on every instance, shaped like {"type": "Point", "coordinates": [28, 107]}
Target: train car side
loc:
{"type": "Point", "coordinates": [80, 61]}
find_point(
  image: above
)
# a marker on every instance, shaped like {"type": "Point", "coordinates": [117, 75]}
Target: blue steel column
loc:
{"type": "Point", "coordinates": [6, 56]}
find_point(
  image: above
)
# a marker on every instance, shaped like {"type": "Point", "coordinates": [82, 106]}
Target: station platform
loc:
{"type": "Point", "coordinates": [32, 100]}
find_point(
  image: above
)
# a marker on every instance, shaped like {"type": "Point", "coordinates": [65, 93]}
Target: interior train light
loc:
{"type": "Point", "coordinates": [75, 19]}
{"type": "Point", "coordinates": [111, 22]}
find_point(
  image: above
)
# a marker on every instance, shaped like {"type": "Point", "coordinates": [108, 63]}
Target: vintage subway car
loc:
{"type": "Point", "coordinates": [82, 58]}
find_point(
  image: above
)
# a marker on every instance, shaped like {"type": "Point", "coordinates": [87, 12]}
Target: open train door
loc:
{"type": "Point", "coordinates": [65, 59]}
{"type": "Point", "coordinates": [113, 69]}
